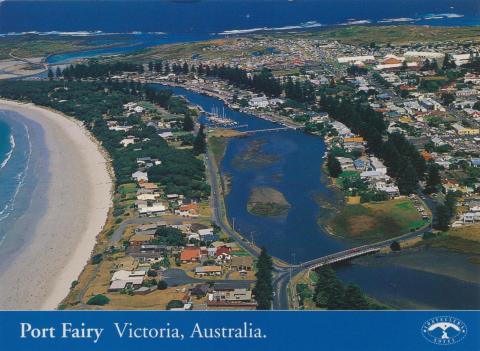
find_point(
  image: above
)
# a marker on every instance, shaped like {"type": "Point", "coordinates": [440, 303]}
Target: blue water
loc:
{"type": "Point", "coordinates": [207, 17]}
{"type": "Point", "coordinates": [15, 154]}
{"type": "Point", "coordinates": [296, 172]}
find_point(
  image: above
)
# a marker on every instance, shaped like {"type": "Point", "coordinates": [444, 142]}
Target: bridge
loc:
{"type": "Point", "coordinates": [339, 257]}
{"type": "Point", "coordinates": [266, 130]}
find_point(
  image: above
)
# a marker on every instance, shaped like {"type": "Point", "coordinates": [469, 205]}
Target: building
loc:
{"type": "Point", "coordinates": [126, 279]}
{"type": "Point", "coordinates": [208, 271]}
{"type": "Point", "coordinates": [190, 254]}
{"type": "Point", "coordinates": [378, 165]}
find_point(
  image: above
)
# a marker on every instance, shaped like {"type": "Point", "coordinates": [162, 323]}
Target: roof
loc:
{"type": "Point", "coordinates": [208, 269]}
{"type": "Point", "coordinates": [241, 261]}
{"type": "Point", "coordinates": [189, 253]}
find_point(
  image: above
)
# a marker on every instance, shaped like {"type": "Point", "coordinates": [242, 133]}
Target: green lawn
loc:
{"type": "Point", "coordinates": [373, 222]}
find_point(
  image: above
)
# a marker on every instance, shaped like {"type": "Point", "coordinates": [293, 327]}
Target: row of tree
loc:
{"type": "Point", "coordinates": [402, 159]}
{"type": "Point", "coordinates": [332, 294]}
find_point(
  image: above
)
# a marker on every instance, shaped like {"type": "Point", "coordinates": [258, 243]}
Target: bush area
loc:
{"type": "Point", "coordinates": [94, 103]}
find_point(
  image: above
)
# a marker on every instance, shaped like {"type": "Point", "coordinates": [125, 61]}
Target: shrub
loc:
{"type": "Point", "coordinates": [174, 304]}
{"type": "Point", "coordinates": [162, 285]}
{"type": "Point", "coordinates": [98, 300]}
{"type": "Point", "coordinates": [395, 246]}
{"type": "Point", "coordinates": [96, 259]}
{"type": "Point", "coordinates": [152, 273]}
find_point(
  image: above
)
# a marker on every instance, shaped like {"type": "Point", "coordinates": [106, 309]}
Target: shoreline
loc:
{"type": "Point", "coordinates": [78, 193]}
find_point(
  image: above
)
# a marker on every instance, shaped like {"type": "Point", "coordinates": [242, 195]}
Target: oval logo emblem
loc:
{"type": "Point", "coordinates": [444, 330]}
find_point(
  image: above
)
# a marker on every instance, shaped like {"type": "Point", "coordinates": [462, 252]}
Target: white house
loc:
{"type": "Point", "coordinates": [140, 176]}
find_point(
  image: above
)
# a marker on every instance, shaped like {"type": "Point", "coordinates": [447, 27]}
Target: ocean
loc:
{"type": "Point", "coordinates": [208, 17]}
{"type": "Point", "coordinates": [21, 166]}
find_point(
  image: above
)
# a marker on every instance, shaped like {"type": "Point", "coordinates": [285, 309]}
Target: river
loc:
{"type": "Point", "coordinates": [292, 166]}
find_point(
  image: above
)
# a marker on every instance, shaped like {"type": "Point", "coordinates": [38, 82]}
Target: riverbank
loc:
{"type": "Point", "coordinates": [76, 197]}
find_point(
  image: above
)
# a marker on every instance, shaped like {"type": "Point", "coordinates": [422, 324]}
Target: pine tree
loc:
{"type": "Point", "coordinates": [187, 123]}
{"type": "Point", "coordinates": [58, 72]}
{"type": "Point", "coordinates": [50, 74]}
{"type": "Point", "coordinates": [199, 144]}
{"type": "Point", "coordinates": [443, 219]}
{"type": "Point", "coordinates": [263, 289]}
{"type": "Point", "coordinates": [407, 180]}
{"type": "Point", "coordinates": [355, 299]}
{"type": "Point", "coordinates": [333, 165]}
{"type": "Point", "coordinates": [433, 179]}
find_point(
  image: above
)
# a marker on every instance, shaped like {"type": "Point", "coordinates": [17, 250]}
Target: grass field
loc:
{"type": "Point", "coordinates": [465, 239]}
{"type": "Point", "coordinates": [373, 222]}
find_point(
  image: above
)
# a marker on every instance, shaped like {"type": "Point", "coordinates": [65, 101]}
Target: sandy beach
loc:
{"type": "Point", "coordinates": [76, 197]}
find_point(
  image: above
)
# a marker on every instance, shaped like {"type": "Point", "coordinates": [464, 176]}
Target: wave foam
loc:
{"type": "Point", "coordinates": [397, 20]}
{"type": "Point", "coordinates": [309, 24]}
{"type": "Point", "coordinates": [9, 153]}
{"type": "Point", "coordinates": [356, 22]}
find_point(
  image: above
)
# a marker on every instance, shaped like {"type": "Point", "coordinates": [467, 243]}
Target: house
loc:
{"type": "Point", "coordinates": [123, 279]}
{"type": "Point", "coordinates": [199, 290]}
{"type": "Point", "coordinates": [140, 239]}
{"type": "Point", "coordinates": [149, 186]}
{"type": "Point", "coordinates": [148, 252]}
{"type": "Point", "coordinates": [258, 102]}
{"type": "Point", "coordinates": [359, 164]}
{"type": "Point", "coordinates": [222, 250]}
{"type": "Point", "coordinates": [188, 210]}
{"type": "Point", "coordinates": [155, 208]}
{"type": "Point", "coordinates": [130, 140]}
{"type": "Point", "coordinates": [139, 176]}
{"type": "Point", "coordinates": [166, 135]}
{"type": "Point", "coordinates": [241, 263]}
{"type": "Point", "coordinates": [377, 165]}
{"type": "Point", "coordinates": [461, 130]}
{"type": "Point", "coordinates": [346, 163]}
{"type": "Point", "coordinates": [475, 162]}
{"type": "Point", "coordinates": [208, 271]}
{"type": "Point", "coordinates": [190, 254]}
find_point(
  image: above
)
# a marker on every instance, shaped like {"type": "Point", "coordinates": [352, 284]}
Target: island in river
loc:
{"type": "Point", "coordinates": [266, 201]}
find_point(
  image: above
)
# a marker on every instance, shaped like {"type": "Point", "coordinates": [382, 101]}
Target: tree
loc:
{"type": "Point", "coordinates": [263, 289]}
{"type": "Point", "coordinates": [448, 62]}
{"type": "Point", "coordinates": [333, 165]}
{"type": "Point", "coordinates": [407, 180]}
{"type": "Point", "coordinates": [335, 295]}
{"type": "Point", "coordinates": [58, 72]}
{"type": "Point", "coordinates": [326, 278]}
{"type": "Point", "coordinates": [187, 123]}
{"type": "Point", "coordinates": [162, 285]}
{"type": "Point", "coordinates": [50, 74]}
{"type": "Point", "coordinates": [395, 246]}
{"type": "Point", "coordinates": [174, 304]}
{"type": "Point", "coordinates": [433, 179]}
{"type": "Point", "coordinates": [443, 219]}
{"type": "Point", "coordinates": [355, 299]}
{"type": "Point", "coordinates": [98, 300]}
{"type": "Point", "coordinates": [200, 144]}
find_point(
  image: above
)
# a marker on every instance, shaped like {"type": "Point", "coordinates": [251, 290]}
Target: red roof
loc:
{"type": "Point", "coordinates": [222, 250]}
{"type": "Point", "coordinates": [190, 253]}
